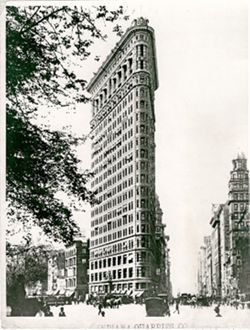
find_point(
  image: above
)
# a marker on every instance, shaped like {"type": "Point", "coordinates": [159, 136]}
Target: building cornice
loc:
{"type": "Point", "coordinates": [130, 31]}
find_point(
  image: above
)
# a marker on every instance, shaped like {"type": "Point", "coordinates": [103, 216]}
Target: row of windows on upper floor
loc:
{"type": "Point", "coordinates": [239, 175]}
{"type": "Point", "coordinates": [71, 282]}
{"type": "Point", "coordinates": [239, 196]}
{"type": "Point", "coordinates": [115, 274]}
{"type": "Point", "coordinates": [114, 235]}
{"type": "Point", "coordinates": [110, 182]}
{"type": "Point", "coordinates": [238, 215]}
{"type": "Point", "coordinates": [127, 170]}
{"type": "Point", "coordinates": [70, 261]}
{"type": "Point", "coordinates": [113, 141]}
{"type": "Point", "coordinates": [112, 176]}
{"type": "Point", "coordinates": [99, 102]}
{"type": "Point", "coordinates": [143, 203]}
{"type": "Point", "coordinates": [121, 111]}
{"type": "Point", "coordinates": [120, 133]}
{"type": "Point", "coordinates": [143, 142]}
{"type": "Point", "coordinates": [141, 215]}
{"type": "Point", "coordinates": [117, 150]}
{"type": "Point", "coordinates": [123, 108]}
{"type": "Point", "coordinates": [119, 286]}
{"type": "Point", "coordinates": [122, 148]}
{"type": "Point", "coordinates": [112, 202]}
{"type": "Point", "coordinates": [123, 273]}
{"type": "Point", "coordinates": [124, 220]}
{"type": "Point", "coordinates": [142, 242]}
{"type": "Point", "coordinates": [239, 207]}
{"type": "Point", "coordinates": [143, 179]}
{"type": "Point", "coordinates": [127, 244]}
{"type": "Point", "coordinates": [141, 192]}
{"type": "Point", "coordinates": [118, 175]}
{"type": "Point", "coordinates": [111, 226]}
{"type": "Point", "coordinates": [121, 74]}
{"type": "Point", "coordinates": [142, 256]}
{"type": "Point", "coordinates": [111, 156]}
{"type": "Point", "coordinates": [240, 224]}
{"type": "Point", "coordinates": [141, 165]}
{"type": "Point", "coordinates": [115, 161]}
{"type": "Point", "coordinates": [116, 102]}
{"type": "Point", "coordinates": [71, 252]}
{"type": "Point", "coordinates": [112, 261]}
{"type": "Point", "coordinates": [238, 186]}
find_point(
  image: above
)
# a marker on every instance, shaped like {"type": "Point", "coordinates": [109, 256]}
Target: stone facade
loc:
{"type": "Point", "coordinates": [122, 241]}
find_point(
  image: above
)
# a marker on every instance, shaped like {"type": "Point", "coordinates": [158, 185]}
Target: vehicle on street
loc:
{"type": "Point", "coordinates": [155, 306]}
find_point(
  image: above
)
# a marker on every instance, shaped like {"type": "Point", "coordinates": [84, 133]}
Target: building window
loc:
{"type": "Point", "coordinates": [119, 259]}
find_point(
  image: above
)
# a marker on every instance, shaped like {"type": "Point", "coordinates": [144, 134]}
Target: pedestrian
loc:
{"type": "Point", "coordinates": [177, 303]}
{"type": "Point", "coordinates": [48, 312]}
{"type": "Point", "coordinates": [217, 310]}
{"type": "Point", "coordinates": [62, 313]}
{"type": "Point", "coordinates": [100, 308]}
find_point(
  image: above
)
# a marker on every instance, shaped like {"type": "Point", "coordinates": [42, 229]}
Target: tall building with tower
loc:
{"type": "Point", "coordinates": [239, 228]}
{"type": "Point", "coordinates": [122, 244]}
{"type": "Point", "coordinates": [230, 239]}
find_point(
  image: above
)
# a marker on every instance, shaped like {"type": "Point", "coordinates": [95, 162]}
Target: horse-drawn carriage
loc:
{"type": "Point", "coordinates": [156, 306]}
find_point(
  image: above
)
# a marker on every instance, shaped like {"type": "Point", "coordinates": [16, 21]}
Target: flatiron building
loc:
{"type": "Point", "coordinates": [123, 161]}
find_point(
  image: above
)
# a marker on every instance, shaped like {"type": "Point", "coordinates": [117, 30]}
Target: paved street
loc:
{"type": "Point", "coordinates": [135, 317]}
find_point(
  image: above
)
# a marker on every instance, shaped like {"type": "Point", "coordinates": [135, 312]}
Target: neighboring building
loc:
{"type": "Point", "coordinates": [56, 272]}
{"type": "Point", "coordinates": [225, 245]}
{"type": "Point", "coordinates": [238, 200]}
{"type": "Point", "coordinates": [228, 252]}
{"type": "Point", "coordinates": [162, 252]}
{"type": "Point", "coordinates": [122, 245]}
{"type": "Point", "coordinates": [216, 250]}
{"type": "Point", "coordinates": [209, 268]}
{"type": "Point", "coordinates": [76, 268]}
{"type": "Point", "coordinates": [201, 271]}
{"type": "Point", "coordinates": [168, 268]}
{"type": "Point", "coordinates": [205, 270]}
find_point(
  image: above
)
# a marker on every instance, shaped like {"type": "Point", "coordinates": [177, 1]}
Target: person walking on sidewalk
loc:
{"type": "Point", "coordinates": [217, 310]}
{"type": "Point", "coordinates": [177, 303]}
{"type": "Point", "coordinates": [62, 313]}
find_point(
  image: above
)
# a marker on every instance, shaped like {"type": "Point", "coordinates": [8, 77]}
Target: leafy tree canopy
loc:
{"type": "Point", "coordinates": [41, 44]}
{"type": "Point", "coordinates": [27, 262]}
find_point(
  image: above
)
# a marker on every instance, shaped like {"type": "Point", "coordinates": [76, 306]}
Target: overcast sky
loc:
{"type": "Point", "coordinates": [201, 115]}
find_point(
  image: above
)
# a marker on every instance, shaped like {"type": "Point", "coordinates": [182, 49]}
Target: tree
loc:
{"type": "Point", "coordinates": [26, 265]}
{"type": "Point", "coordinates": [41, 44]}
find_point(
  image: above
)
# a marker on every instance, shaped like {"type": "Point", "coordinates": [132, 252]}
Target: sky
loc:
{"type": "Point", "coordinates": [201, 109]}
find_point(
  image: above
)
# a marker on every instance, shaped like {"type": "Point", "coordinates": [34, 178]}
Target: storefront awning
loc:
{"type": "Point", "coordinates": [62, 291]}
{"type": "Point", "coordinates": [139, 294]}
{"type": "Point", "coordinates": [70, 293]}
